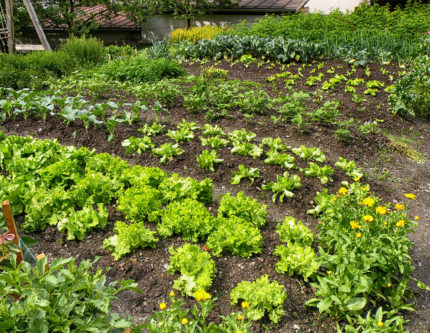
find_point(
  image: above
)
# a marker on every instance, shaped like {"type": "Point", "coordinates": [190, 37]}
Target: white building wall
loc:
{"type": "Point", "coordinates": [159, 27]}
{"type": "Point", "coordinates": [326, 6]}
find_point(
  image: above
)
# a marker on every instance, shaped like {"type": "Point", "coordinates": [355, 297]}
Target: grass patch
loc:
{"type": "Point", "coordinates": [403, 146]}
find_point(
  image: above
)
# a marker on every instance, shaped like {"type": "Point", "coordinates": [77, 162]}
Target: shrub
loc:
{"type": "Point", "coordinates": [84, 51]}
{"type": "Point", "coordinates": [141, 69]}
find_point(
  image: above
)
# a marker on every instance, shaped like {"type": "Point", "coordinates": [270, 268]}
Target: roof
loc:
{"type": "Point", "coordinates": [117, 21]}
{"type": "Point", "coordinates": [270, 6]}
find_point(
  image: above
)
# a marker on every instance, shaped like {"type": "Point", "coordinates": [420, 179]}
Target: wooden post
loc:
{"type": "Point", "coordinates": [12, 228]}
{"type": "Point", "coordinates": [10, 26]}
{"type": "Point", "coordinates": [37, 26]}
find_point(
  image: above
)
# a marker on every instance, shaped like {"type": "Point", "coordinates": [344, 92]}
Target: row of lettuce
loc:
{"type": "Point", "coordinates": [363, 251]}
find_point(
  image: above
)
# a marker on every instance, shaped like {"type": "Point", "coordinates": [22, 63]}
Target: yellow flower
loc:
{"type": "Point", "coordinates": [163, 306]}
{"type": "Point", "coordinates": [381, 210]}
{"type": "Point", "coordinates": [329, 272]}
{"type": "Point", "coordinates": [380, 324]}
{"type": "Point", "coordinates": [239, 331]}
{"type": "Point", "coordinates": [401, 223]}
{"type": "Point", "coordinates": [342, 191]}
{"type": "Point", "coordinates": [201, 295]}
{"type": "Point", "coordinates": [354, 225]}
{"type": "Point", "coordinates": [358, 235]}
{"type": "Point", "coordinates": [388, 284]}
{"type": "Point", "coordinates": [365, 188]}
{"type": "Point", "coordinates": [184, 321]}
{"type": "Point", "coordinates": [416, 218]}
{"type": "Point", "coordinates": [385, 223]}
{"type": "Point", "coordinates": [334, 199]}
{"type": "Point", "coordinates": [245, 305]}
{"type": "Point", "coordinates": [239, 317]}
{"type": "Point", "coordinates": [368, 218]}
{"type": "Point", "coordinates": [172, 293]}
{"type": "Point", "coordinates": [369, 202]}
{"type": "Point", "coordinates": [357, 179]}
{"type": "Point", "coordinates": [410, 196]}
{"type": "Point", "coordinates": [400, 207]}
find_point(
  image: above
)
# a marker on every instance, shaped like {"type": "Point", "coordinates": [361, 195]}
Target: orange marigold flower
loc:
{"type": "Point", "coordinates": [201, 295]}
{"type": "Point", "coordinates": [172, 293]}
{"type": "Point", "coordinates": [239, 317]}
{"type": "Point", "coordinates": [184, 321]}
{"type": "Point", "coordinates": [381, 210]}
{"type": "Point", "coordinates": [368, 218]}
{"type": "Point", "coordinates": [401, 223]}
{"type": "Point", "coordinates": [358, 235]}
{"type": "Point", "coordinates": [245, 305]}
{"type": "Point", "coordinates": [410, 196]}
{"type": "Point", "coordinates": [342, 191]}
{"type": "Point", "coordinates": [163, 306]}
{"type": "Point", "coordinates": [416, 218]}
{"type": "Point", "coordinates": [380, 324]}
{"type": "Point", "coordinates": [385, 223]}
{"type": "Point", "coordinates": [400, 206]}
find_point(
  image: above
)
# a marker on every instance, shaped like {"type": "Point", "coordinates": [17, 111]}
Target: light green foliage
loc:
{"type": "Point", "coordinates": [355, 83]}
{"type": "Point", "coordinates": [246, 149]}
{"type": "Point", "coordinates": [293, 105]}
{"type": "Point", "coordinates": [235, 235]}
{"type": "Point", "coordinates": [322, 173]}
{"type": "Point", "coordinates": [244, 172]}
{"type": "Point", "coordinates": [141, 176]}
{"type": "Point", "coordinates": [327, 113]}
{"type": "Point", "coordinates": [207, 159]}
{"type": "Point", "coordinates": [139, 203]}
{"type": "Point", "coordinates": [309, 154]}
{"type": "Point", "coordinates": [188, 218]}
{"type": "Point", "coordinates": [311, 80]}
{"type": "Point", "coordinates": [393, 322]}
{"type": "Point", "coordinates": [274, 144]}
{"type": "Point", "coordinates": [79, 223]}
{"type": "Point", "coordinates": [295, 232]}
{"type": "Point", "coordinates": [61, 297]}
{"type": "Point", "coordinates": [369, 127]}
{"type": "Point", "coordinates": [244, 207]}
{"type": "Point", "coordinates": [181, 135]}
{"type": "Point", "coordinates": [167, 151]}
{"type": "Point", "coordinates": [296, 259]}
{"type": "Point", "coordinates": [152, 130]}
{"type": "Point", "coordinates": [262, 296]}
{"type": "Point", "coordinates": [374, 84]}
{"type": "Point", "coordinates": [128, 238]}
{"type": "Point", "coordinates": [283, 186]}
{"type": "Point", "coordinates": [212, 130]}
{"type": "Point", "coordinates": [176, 188]}
{"type": "Point", "coordinates": [284, 160]}
{"type": "Point", "coordinates": [138, 145]}
{"type": "Point", "coordinates": [214, 142]}
{"type": "Point", "coordinates": [322, 201]}
{"type": "Point", "coordinates": [349, 167]}
{"type": "Point", "coordinates": [242, 136]}
{"type": "Point", "coordinates": [332, 82]}
{"type": "Point", "coordinates": [196, 267]}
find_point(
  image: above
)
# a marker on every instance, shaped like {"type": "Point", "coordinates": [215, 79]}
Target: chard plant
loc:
{"type": "Point", "coordinates": [283, 186]}
{"type": "Point", "coordinates": [207, 160]}
{"type": "Point", "coordinates": [244, 172]}
{"type": "Point", "coordinates": [167, 151]}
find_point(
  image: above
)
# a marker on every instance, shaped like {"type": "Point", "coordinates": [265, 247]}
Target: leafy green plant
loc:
{"type": "Point", "coordinates": [322, 173]}
{"type": "Point", "coordinates": [369, 127]}
{"type": "Point", "coordinates": [296, 259]}
{"type": "Point", "coordinates": [327, 113]}
{"type": "Point", "coordinates": [79, 223]}
{"type": "Point", "coordinates": [246, 149]}
{"type": "Point", "coordinates": [59, 297]}
{"type": "Point", "coordinates": [259, 297]}
{"type": "Point", "coordinates": [196, 267]}
{"type": "Point", "coordinates": [274, 144]}
{"type": "Point", "coordinates": [284, 160]}
{"type": "Point", "coordinates": [350, 168]}
{"type": "Point", "coordinates": [309, 154]}
{"type": "Point", "coordinates": [295, 232]}
{"type": "Point", "coordinates": [242, 136]}
{"type": "Point", "coordinates": [244, 207]}
{"type": "Point", "coordinates": [128, 238]}
{"type": "Point", "coordinates": [207, 159]}
{"type": "Point", "coordinates": [139, 203]}
{"type": "Point", "coordinates": [167, 151]}
{"type": "Point", "coordinates": [138, 145]}
{"type": "Point", "coordinates": [188, 218]}
{"type": "Point", "coordinates": [283, 186]}
{"type": "Point", "coordinates": [212, 130]}
{"type": "Point", "coordinates": [343, 133]}
{"type": "Point", "coordinates": [244, 172]}
{"type": "Point", "coordinates": [214, 142]}
{"type": "Point", "coordinates": [152, 130]}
